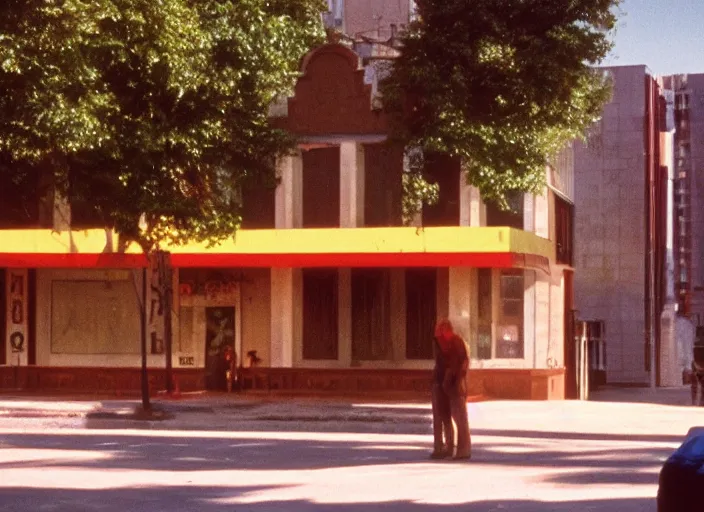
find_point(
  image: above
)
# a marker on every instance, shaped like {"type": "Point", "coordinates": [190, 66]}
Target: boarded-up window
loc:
{"type": "Point", "coordinates": [321, 188]}
{"type": "Point", "coordinates": [371, 314]}
{"type": "Point", "coordinates": [94, 317]}
{"type": "Point", "coordinates": [383, 185]}
{"type": "Point", "coordinates": [445, 171]}
{"type": "Point", "coordinates": [421, 312]}
{"type": "Point", "coordinates": [320, 313]}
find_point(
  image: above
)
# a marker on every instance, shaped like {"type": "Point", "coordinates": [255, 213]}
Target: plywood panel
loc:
{"type": "Point", "coordinates": [94, 317]}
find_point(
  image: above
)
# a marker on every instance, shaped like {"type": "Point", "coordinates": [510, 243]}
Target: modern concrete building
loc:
{"type": "Point", "coordinates": [621, 225]}
{"type": "Point", "coordinates": [323, 281]}
{"type": "Point", "coordinates": [688, 91]}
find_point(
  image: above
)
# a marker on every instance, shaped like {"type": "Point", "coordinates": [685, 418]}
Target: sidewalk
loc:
{"type": "Point", "coordinates": [223, 409]}
{"type": "Point", "coordinates": [198, 408]}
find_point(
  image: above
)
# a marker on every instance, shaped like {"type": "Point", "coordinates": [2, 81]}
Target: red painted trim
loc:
{"type": "Point", "coordinates": [346, 260]}
{"type": "Point", "coordinates": [487, 260]}
{"type": "Point", "coordinates": [36, 260]}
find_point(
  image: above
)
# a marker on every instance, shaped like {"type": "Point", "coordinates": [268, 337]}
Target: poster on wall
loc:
{"type": "Point", "coordinates": [17, 311]}
{"type": "Point", "coordinates": [219, 333]}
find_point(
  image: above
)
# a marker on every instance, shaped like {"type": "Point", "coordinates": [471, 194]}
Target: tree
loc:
{"type": "Point", "coordinates": [154, 112]}
{"type": "Point", "coordinates": [501, 84]}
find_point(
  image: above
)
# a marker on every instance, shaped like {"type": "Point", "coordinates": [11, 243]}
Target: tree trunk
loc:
{"type": "Point", "coordinates": [146, 406]}
{"type": "Point", "coordinates": [166, 273]}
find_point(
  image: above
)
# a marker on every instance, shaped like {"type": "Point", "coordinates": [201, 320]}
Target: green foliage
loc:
{"type": "Point", "coordinates": [502, 84]}
{"type": "Point", "coordinates": [151, 107]}
{"type": "Point", "coordinates": [416, 189]}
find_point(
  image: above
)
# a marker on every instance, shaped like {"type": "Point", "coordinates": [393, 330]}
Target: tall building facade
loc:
{"type": "Point", "coordinates": [621, 225]}
{"type": "Point", "coordinates": [688, 91]}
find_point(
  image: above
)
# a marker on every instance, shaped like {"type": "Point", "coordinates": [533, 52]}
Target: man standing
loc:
{"type": "Point", "coordinates": [455, 361]}
{"type": "Point", "coordinates": [443, 432]}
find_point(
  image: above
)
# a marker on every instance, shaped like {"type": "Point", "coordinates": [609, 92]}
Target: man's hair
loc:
{"type": "Point", "coordinates": [445, 324]}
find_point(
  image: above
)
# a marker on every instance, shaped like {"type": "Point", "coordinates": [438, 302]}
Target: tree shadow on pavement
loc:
{"type": "Point", "coordinates": [667, 397]}
{"type": "Point", "coordinates": [254, 452]}
{"type": "Point", "coordinates": [580, 436]}
{"type": "Point", "coordinates": [608, 477]}
{"type": "Point", "coordinates": [228, 498]}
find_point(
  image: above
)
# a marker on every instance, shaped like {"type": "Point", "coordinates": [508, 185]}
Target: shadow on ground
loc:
{"type": "Point", "coordinates": [221, 499]}
{"type": "Point", "coordinates": [672, 397]}
{"type": "Point", "coordinates": [155, 452]}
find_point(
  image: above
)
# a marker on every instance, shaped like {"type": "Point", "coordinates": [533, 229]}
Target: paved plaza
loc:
{"type": "Point", "coordinates": [296, 455]}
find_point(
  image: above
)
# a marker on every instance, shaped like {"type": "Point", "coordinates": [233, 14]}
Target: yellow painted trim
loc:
{"type": "Point", "coordinates": [529, 243]}
{"type": "Point", "coordinates": [299, 241]}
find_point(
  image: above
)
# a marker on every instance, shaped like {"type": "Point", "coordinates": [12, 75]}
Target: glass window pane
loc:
{"type": "Point", "coordinates": [509, 329]}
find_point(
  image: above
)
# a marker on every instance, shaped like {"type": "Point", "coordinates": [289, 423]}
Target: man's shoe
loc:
{"type": "Point", "coordinates": [441, 454]}
{"type": "Point", "coordinates": [462, 456]}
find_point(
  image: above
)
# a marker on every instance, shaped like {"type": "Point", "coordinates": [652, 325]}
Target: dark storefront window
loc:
{"type": "Point", "coordinates": [259, 206]}
{"type": "Point", "coordinates": [445, 171]}
{"type": "Point", "coordinates": [321, 188]}
{"type": "Point", "coordinates": [320, 313]}
{"type": "Point", "coordinates": [383, 185]}
{"type": "Point", "coordinates": [564, 230]}
{"type": "Point", "coordinates": [20, 203]}
{"type": "Point", "coordinates": [421, 312]}
{"type": "Point", "coordinates": [371, 314]}
{"type": "Point", "coordinates": [512, 218]}
{"type": "Point", "coordinates": [482, 345]}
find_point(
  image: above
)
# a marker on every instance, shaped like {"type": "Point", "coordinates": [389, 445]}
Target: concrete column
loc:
{"type": "Point", "coordinates": [398, 314]}
{"type": "Point", "coordinates": [465, 201]}
{"type": "Point", "coordinates": [344, 326]}
{"type": "Point", "coordinates": [541, 318]}
{"type": "Point", "coordinates": [459, 300]}
{"type": "Point", "coordinates": [62, 213]}
{"type": "Point", "coordinates": [542, 214]}
{"type": "Point", "coordinates": [670, 367]}
{"type": "Point", "coordinates": [16, 295]}
{"type": "Point", "coordinates": [556, 350]}
{"type": "Point", "coordinates": [297, 278]}
{"type": "Point", "coordinates": [477, 208]}
{"type": "Point", "coordinates": [282, 317]}
{"type": "Point", "coordinates": [529, 213]}
{"type": "Point", "coordinates": [443, 292]}
{"type": "Point", "coordinates": [351, 185]}
{"type": "Point", "coordinates": [289, 193]}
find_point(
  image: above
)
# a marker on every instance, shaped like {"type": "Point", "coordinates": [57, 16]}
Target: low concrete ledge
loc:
{"type": "Point", "coordinates": [522, 384]}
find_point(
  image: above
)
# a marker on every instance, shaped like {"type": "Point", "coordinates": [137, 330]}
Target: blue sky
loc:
{"type": "Point", "coordinates": [665, 35]}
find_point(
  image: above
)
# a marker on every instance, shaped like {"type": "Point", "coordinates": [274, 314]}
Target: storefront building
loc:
{"type": "Point", "coordinates": [323, 281]}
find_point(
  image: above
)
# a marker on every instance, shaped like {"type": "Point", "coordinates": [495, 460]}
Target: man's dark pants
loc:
{"type": "Point", "coordinates": [443, 432]}
{"type": "Point", "coordinates": [449, 405]}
